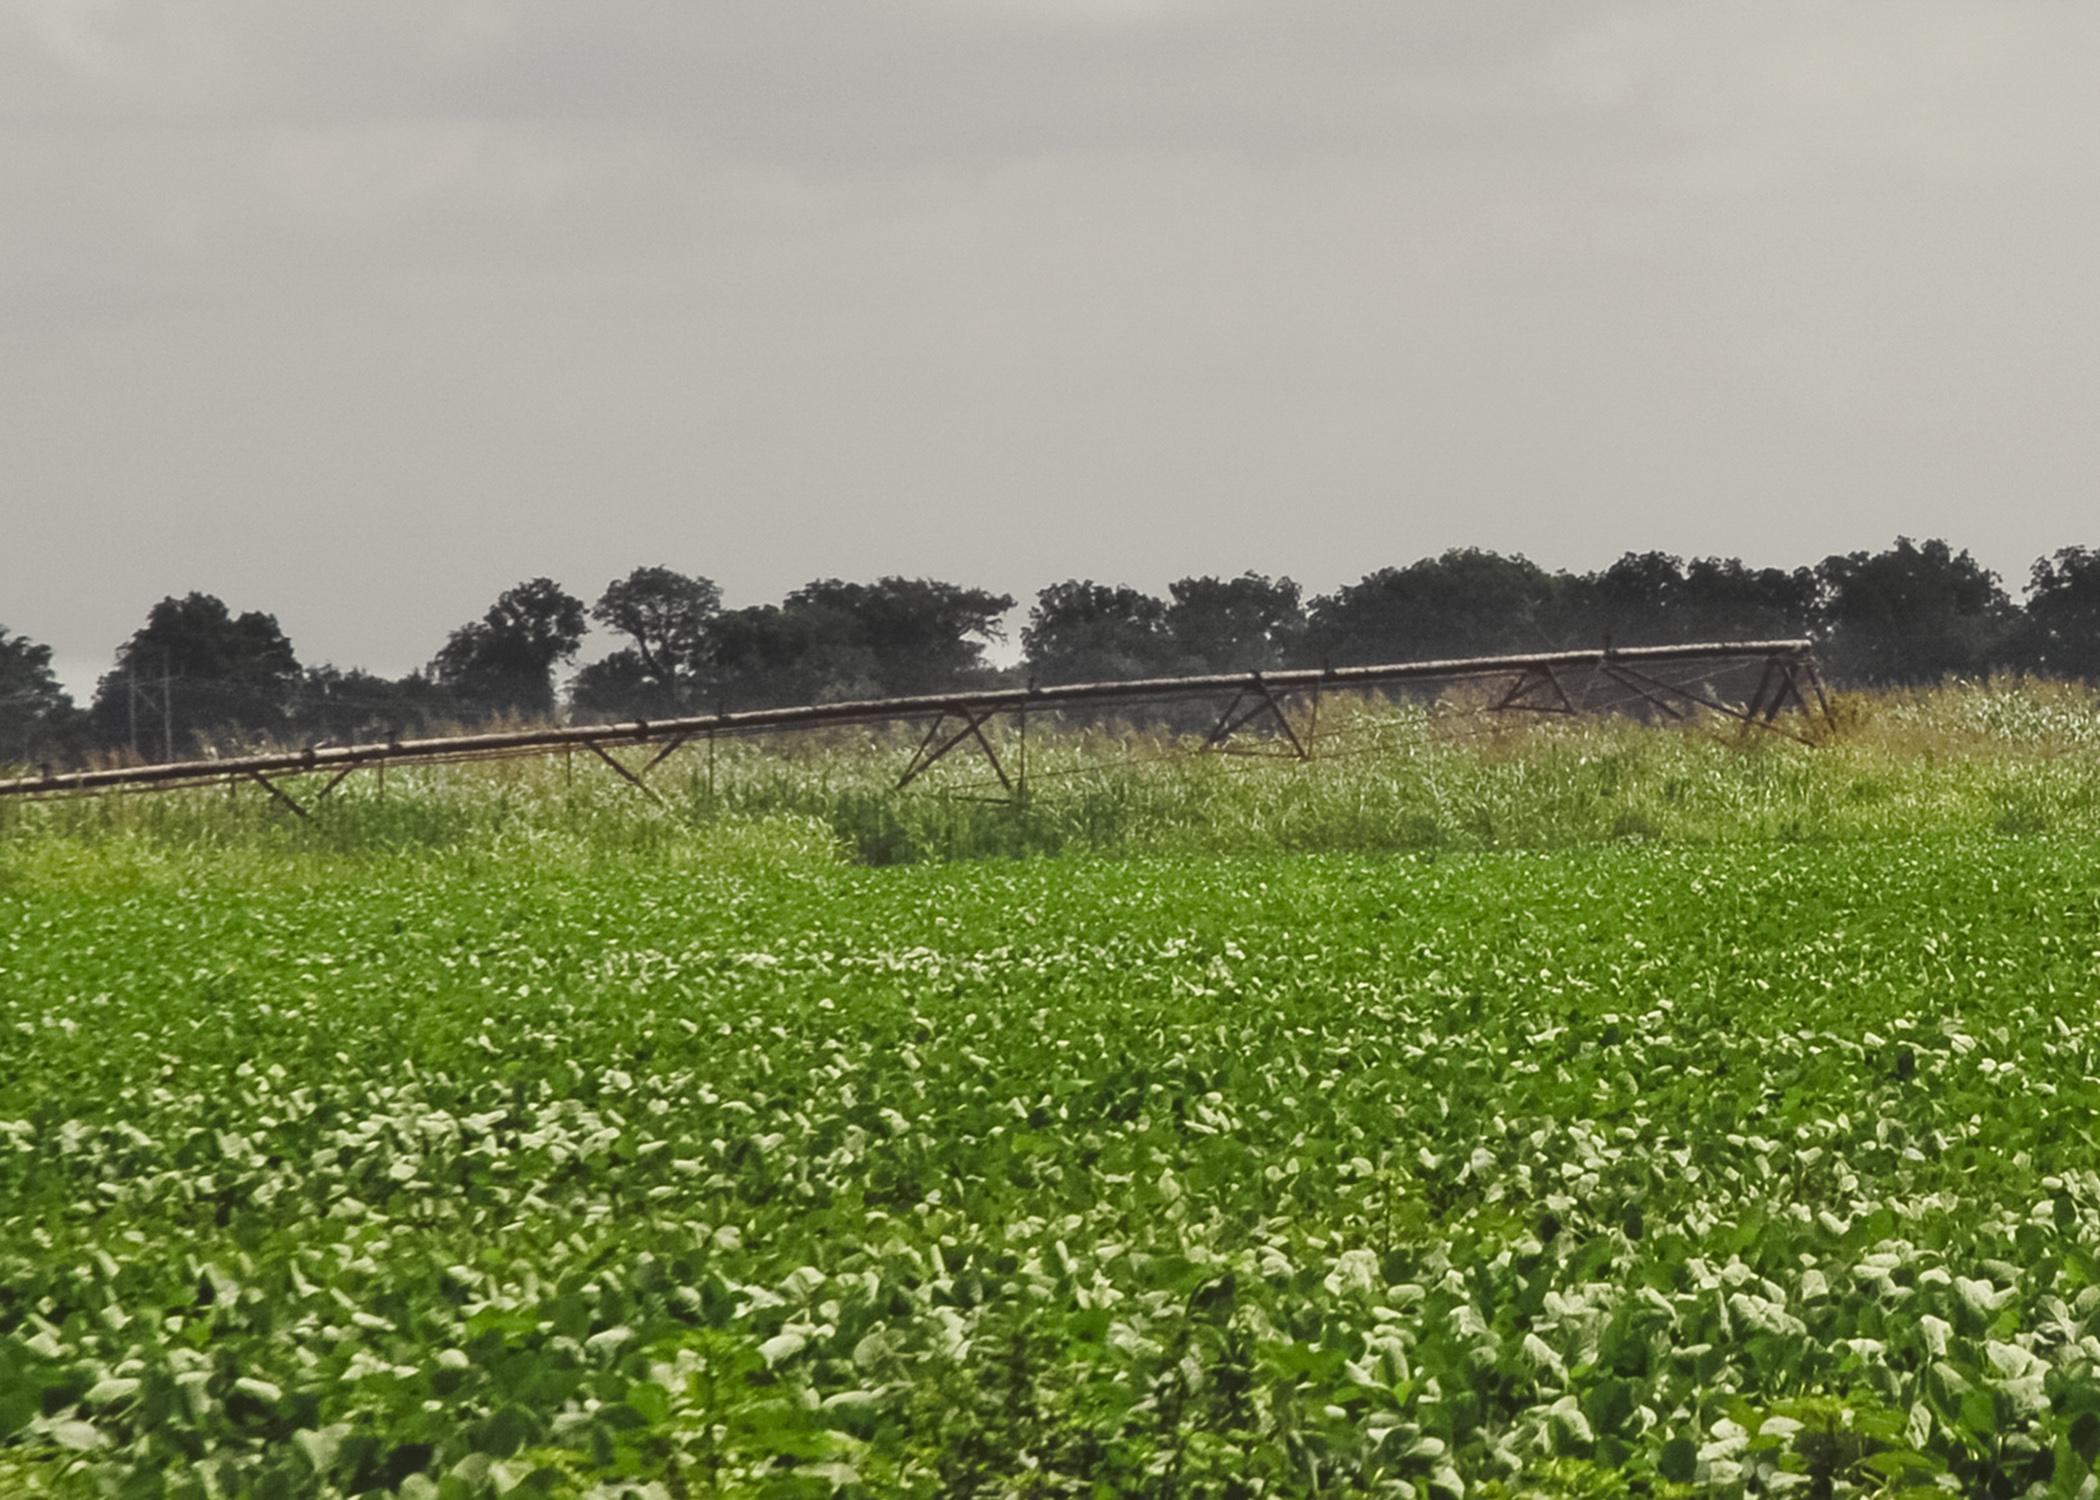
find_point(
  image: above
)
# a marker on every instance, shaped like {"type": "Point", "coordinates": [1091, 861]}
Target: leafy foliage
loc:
{"type": "Point", "coordinates": [1628, 1169]}
{"type": "Point", "coordinates": [1915, 613]}
{"type": "Point", "coordinates": [1244, 624]}
{"type": "Point", "coordinates": [1653, 598]}
{"type": "Point", "coordinates": [1465, 602]}
{"type": "Point", "coordinates": [355, 707]}
{"type": "Point", "coordinates": [2060, 630]}
{"type": "Point", "coordinates": [196, 669]}
{"type": "Point", "coordinates": [1082, 631]}
{"type": "Point", "coordinates": [35, 712]}
{"type": "Point", "coordinates": [666, 667]}
{"type": "Point", "coordinates": [831, 640]}
{"type": "Point", "coordinates": [504, 662]}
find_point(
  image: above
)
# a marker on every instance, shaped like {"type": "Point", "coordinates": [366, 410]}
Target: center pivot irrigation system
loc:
{"type": "Point", "coordinates": [1678, 682]}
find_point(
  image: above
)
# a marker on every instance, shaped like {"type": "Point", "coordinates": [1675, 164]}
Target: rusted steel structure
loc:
{"type": "Point", "coordinates": [1675, 681]}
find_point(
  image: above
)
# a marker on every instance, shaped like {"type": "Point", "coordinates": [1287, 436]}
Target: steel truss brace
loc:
{"type": "Point", "coordinates": [1759, 715]}
{"type": "Point", "coordinates": [636, 779]}
{"type": "Point", "coordinates": [665, 754]}
{"type": "Point", "coordinates": [628, 776]}
{"type": "Point", "coordinates": [1815, 682]}
{"type": "Point", "coordinates": [1247, 705]}
{"type": "Point", "coordinates": [1530, 681]}
{"type": "Point", "coordinates": [1773, 686]}
{"type": "Point", "coordinates": [286, 799]}
{"type": "Point", "coordinates": [934, 747]}
{"type": "Point", "coordinates": [1782, 680]}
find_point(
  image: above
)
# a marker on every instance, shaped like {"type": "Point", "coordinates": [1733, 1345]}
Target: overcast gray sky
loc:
{"type": "Point", "coordinates": [357, 313]}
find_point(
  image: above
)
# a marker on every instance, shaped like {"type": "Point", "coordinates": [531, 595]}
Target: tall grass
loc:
{"type": "Point", "coordinates": [2012, 758]}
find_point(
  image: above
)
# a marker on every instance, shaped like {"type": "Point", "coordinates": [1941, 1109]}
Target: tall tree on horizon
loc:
{"type": "Point", "coordinates": [1913, 613]}
{"type": "Point", "coordinates": [2060, 632]}
{"type": "Point", "coordinates": [1658, 599]}
{"type": "Point", "coordinates": [1251, 623]}
{"type": "Point", "coordinates": [36, 713]}
{"type": "Point", "coordinates": [1637, 601]}
{"type": "Point", "coordinates": [196, 671]}
{"type": "Point", "coordinates": [349, 706]}
{"type": "Point", "coordinates": [667, 665]}
{"type": "Point", "coordinates": [899, 636]}
{"type": "Point", "coordinates": [503, 663]}
{"type": "Point", "coordinates": [1463, 602]}
{"type": "Point", "coordinates": [832, 640]}
{"type": "Point", "coordinates": [1082, 631]}
{"type": "Point", "coordinates": [1723, 600]}
{"type": "Point", "coordinates": [762, 658]}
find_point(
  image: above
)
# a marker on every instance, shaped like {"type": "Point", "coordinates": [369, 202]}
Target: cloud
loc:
{"type": "Point", "coordinates": [358, 313]}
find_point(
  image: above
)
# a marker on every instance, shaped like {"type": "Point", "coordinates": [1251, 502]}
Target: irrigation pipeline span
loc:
{"type": "Point", "coordinates": [1676, 681]}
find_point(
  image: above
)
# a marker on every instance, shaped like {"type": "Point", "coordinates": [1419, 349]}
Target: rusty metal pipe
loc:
{"type": "Point", "coordinates": [883, 710]}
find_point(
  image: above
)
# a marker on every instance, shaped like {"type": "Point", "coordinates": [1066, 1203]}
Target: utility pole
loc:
{"type": "Point", "coordinates": [167, 707]}
{"type": "Point", "coordinates": [131, 685]}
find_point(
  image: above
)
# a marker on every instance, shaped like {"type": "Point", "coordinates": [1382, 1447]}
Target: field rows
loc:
{"type": "Point", "coordinates": [1626, 1166]}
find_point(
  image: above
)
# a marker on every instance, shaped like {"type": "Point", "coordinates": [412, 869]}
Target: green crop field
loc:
{"type": "Point", "coordinates": [1601, 1112]}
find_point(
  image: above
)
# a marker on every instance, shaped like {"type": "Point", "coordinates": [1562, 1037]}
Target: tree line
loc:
{"type": "Point", "coordinates": [196, 674]}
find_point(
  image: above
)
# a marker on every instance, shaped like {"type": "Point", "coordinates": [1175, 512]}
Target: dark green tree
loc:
{"type": "Point", "coordinates": [832, 640]}
{"type": "Point", "coordinates": [1912, 614]}
{"type": "Point", "coordinates": [36, 715]}
{"type": "Point", "coordinates": [666, 667]}
{"type": "Point", "coordinates": [620, 686]}
{"type": "Point", "coordinates": [339, 707]}
{"type": "Point", "coordinates": [1251, 623]}
{"type": "Point", "coordinates": [762, 658]}
{"type": "Point", "coordinates": [1082, 631]}
{"type": "Point", "coordinates": [1466, 602]}
{"type": "Point", "coordinates": [1723, 600]}
{"type": "Point", "coordinates": [2060, 635]}
{"type": "Point", "coordinates": [897, 636]}
{"type": "Point", "coordinates": [503, 663]}
{"type": "Point", "coordinates": [1654, 599]}
{"type": "Point", "coordinates": [1637, 601]}
{"type": "Point", "coordinates": [196, 673]}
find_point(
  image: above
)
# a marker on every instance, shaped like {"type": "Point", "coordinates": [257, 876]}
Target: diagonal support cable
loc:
{"type": "Point", "coordinates": [1634, 678]}
{"type": "Point", "coordinates": [977, 729]}
{"type": "Point", "coordinates": [1756, 706]}
{"type": "Point", "coordinates": [665, 754]}
{"type": "Point", "coordinates": [925, 755]}
{"type": "Point", "coordinates": [632, 780]}
{"type": "Point", "coordinates": [1282, 719]}
{"type": "Point", "coordinates": [1815, 681]}
{"type": "Point", "coordinates": [1239, 713]}
{"type": "Point", "coordinates": [1530, 681]}
{"type": "Point", "coordinates": [1248, 704]}
{"type": "Point", "coordinates": [929, 752]}
{"type": "Point", "coordinates": [333, 782]}
{"type": "Point", "coordinates": [278, 792]}
{"type": "Point", "coordinates": [1624, 680]}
